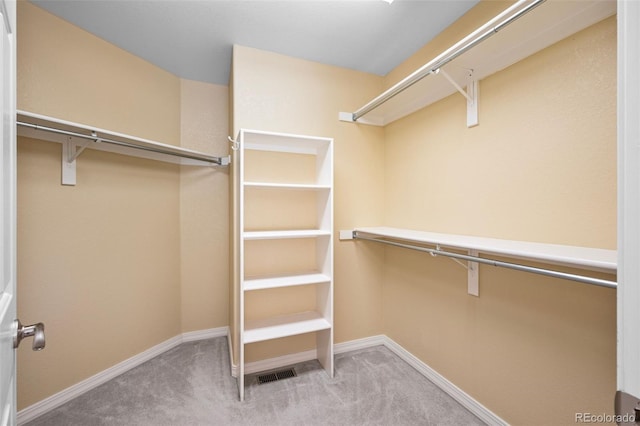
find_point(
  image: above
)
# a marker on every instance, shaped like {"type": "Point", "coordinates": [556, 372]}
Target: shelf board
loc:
{"type": "Point", "coordinates": [594, 259]}
{"type": "Point", "coordinates": [137, 147]}
{"type": "Point", "coordinates": [275, 235]}
{"type": "Point", "coordinates": [545, 25]}
{"type": "Point", "coordinates": [279, 142]}
{"type": "Point", "coordinates": [296, 186]}
{"type": "Point", "coordinates": [285, 281]}
{"type": "Point", "coordinates": [284, 326]}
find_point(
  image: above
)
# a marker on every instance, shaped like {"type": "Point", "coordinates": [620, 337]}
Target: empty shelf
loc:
{"type": "Point", "coordinates": [595, 259]}
{"type": "Point", "coordinates": [274, 235]}
{"type": "Point", "coordinates": [269, 141]}
{"type": "Point", "coordinates": [286, 186]}
{"type": "Point", "coordinates": [284, 326]}
{"type": "Point", "coordinates": [285, 281]}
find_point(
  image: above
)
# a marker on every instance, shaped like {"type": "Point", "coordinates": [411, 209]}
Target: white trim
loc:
{"type": "Point", "coordinates": [232, 366]}
{"type": "Point", "coordinates": [290, 359]}
{"type": "Point", "coordinates": [628, 198]}
{"type": "Point", "coordinates": [464, 399]}
{"type": "Point", "coordinates": [277, 362]}
{"type": "Point", "coordinates": [281, 361]}
{"type": "Point", "coordinates": [364, 343]}
{"type": "Point", "coordinates": [210, 333]}
{"type": "Point", "coordinates": [41, 407]}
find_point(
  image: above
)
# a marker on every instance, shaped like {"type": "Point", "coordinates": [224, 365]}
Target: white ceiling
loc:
{"type": "Point", "coordinates": [193, 39]}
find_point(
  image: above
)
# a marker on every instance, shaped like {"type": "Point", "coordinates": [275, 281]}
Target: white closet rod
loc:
{"type": "Point", "coordinates": [95, 138]}
{"type": "Point", "coordinates": [548, 272]}
{"type": "Point", "coordinates": [449, 55]}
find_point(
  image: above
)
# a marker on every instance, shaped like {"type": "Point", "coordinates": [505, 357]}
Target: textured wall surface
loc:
{"type": "Point", "coordinates": [541, 166]}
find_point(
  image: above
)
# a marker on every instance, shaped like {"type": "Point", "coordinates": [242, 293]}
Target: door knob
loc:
{"type": "Point", "coordinates": [35, 330]}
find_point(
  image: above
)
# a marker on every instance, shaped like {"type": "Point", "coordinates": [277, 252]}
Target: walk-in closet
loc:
{"type": "Point", "coordinates": [463, 225]}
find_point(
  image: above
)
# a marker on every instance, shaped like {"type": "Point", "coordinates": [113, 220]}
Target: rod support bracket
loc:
{"type": "Point", "coordinates": [346, 116]}
{"type": "Point", "coordinates": [471, 94]}
{"type": "Point", "coordinates": [473, 275]}
{"type": "Point", "coordinates": [473, 272]}
{"type": "Point", "coordinates": [69, 162]}
{"type": "Point", "coordinates": [225, 161]}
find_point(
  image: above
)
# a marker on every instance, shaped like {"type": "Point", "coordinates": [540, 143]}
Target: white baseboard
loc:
{"type": "Point", "coordinates": [78, 389]}
{"type": "Point", "coordinates": [210, 333]}
{"type": "Point", "coordinates": [290, 359]}
{"type": "Point", "coordinates": [464, 399]}
{"type": "Point", "coordinates": [66, 395]}
{"type": "Point", "coordinates": [277, 362]}
{"type": "Point", "coordinates": [354, 345]}
{"type": "Point", "coordinates": [281, 361]}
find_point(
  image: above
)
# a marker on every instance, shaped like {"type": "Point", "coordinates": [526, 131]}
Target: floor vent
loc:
{"type": "Point", "coordinates": [276, 375]}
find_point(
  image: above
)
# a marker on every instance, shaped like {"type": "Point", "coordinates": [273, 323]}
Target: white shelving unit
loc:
{"type": "Point", "coordinates": [285, 196]}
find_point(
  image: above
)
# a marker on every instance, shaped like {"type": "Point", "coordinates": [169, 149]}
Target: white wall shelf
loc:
{"type": "Point", "coordinates": [593, 259]}
{"type": "Point", "coordinates": [263, 156]}
{"type": "Point", "coordinates": [541, 27]}
{"type": "Point", "coordinates": [75, 138]}
{"type": "Point", "coordinates": [584, 258]}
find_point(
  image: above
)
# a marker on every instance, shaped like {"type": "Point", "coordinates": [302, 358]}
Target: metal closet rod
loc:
{"type": "Point", "coordinates": [442, 60]}
{"type": "Point", "coordinates": [498, 263]}
{"type": "Point", "coordinates": [95, 138]}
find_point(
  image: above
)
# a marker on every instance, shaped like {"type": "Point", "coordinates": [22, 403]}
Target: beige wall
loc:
{"type": "Point", "coordinates": [98, 263]}
{"type": "Point", "coordinates": [282, 94]}
{"type": "Point", "coordinates": [204, 209]}
{"type": "Point", "coordinates": [135, 253]}
{"type": "Point", "coordinates": [541, 166]}
{"type": "Point", "coordinates": [66, 72]}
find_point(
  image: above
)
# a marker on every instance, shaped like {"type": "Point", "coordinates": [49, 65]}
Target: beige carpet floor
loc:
{"type": "Point", "coordinates": [191, 385]}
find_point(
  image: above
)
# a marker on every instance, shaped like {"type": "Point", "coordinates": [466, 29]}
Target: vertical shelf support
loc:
{"type": "Point", "coordinates": [471, 94]}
